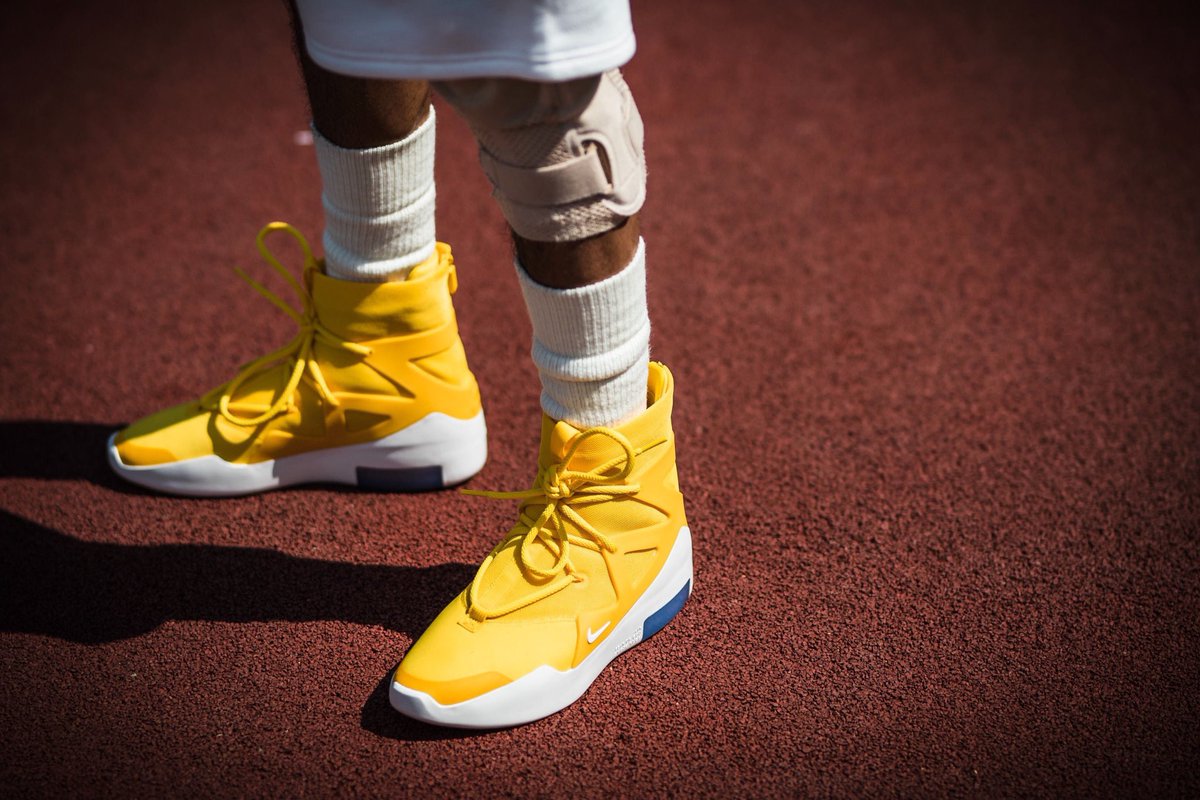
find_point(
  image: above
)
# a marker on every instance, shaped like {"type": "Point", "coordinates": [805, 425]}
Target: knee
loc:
{"type": "Point", "coordinates": [565, 160]}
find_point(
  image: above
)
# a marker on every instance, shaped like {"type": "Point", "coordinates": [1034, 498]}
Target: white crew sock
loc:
{"type": "Point", "coordinates": [379, 206]}
{"type": "Point", "coordinates": [591, 345]}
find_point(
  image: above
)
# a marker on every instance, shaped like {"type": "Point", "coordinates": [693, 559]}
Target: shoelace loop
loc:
{"type": "Point", "coordinates": [298, 352]}
{"type": "Point", "coordinates": [558, 487]}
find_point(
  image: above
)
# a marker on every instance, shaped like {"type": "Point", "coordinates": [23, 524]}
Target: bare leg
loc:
{"type": "Point", "coordinates": [568, 265]}
{"type": "Point", "coordinates": [358, 113]}
{"type": "Point", "coordinates": [375, 151]}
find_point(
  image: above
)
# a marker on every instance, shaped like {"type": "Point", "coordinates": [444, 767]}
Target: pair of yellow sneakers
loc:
{"type": "Point", "coordinates": [375, 391]}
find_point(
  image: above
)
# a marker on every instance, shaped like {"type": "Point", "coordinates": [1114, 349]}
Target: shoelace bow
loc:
{"type": "Point", "coordinates": [559, 488]}
{"type": "Point", "coordinates": [298, 352]}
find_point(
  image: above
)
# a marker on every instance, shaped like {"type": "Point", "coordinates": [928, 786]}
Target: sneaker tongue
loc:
{"type": "Point", "coordinates": [426, 267]}
{"type": "Point", "coordinates": [505, 581]}
{"type": "Point", "coordinates": [556, 437]}
{"type": "Point", "coordinates": [556, 442]}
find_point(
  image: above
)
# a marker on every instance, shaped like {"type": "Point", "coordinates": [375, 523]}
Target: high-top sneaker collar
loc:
{"type": "Point", "coordinates": [361, 311]}
{"type": "Point", "coordinates": [641, 431]}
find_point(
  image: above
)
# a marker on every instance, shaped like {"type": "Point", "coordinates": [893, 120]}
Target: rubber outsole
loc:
{"type": "Point", "coordinates": [546, 690]}
{"type": "Point", "coordinates": [432, 453]}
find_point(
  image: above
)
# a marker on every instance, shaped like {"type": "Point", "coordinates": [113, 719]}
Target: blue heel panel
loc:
{"type": "Point", "coordinates": [659, 619]}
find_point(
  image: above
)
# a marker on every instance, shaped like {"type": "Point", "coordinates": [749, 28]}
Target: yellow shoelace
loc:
{"type": "Point", "coordinates": [298, 352]}
{"type": "Point", "coordinates": [559, 488]}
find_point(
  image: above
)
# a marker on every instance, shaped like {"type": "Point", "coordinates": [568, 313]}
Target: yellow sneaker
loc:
{"type": "Point", "coordinates": [599, 560]}
{"type": "Point", "coordinates": [373, 391]}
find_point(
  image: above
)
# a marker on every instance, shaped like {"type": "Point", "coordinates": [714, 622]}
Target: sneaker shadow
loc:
{"type": "Point", "coordinates": [55, 450]}
{"type": "Point", "coordinates": [378, 717]}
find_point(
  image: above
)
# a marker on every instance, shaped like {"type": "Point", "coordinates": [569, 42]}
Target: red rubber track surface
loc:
{"type": "Point", "coordinates": [929, 280]}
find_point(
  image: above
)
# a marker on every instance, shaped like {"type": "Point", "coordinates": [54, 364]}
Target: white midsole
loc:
{"type": "Point", "coordinates": [546, 690]}
{"type": "Point", "coordinates": [457, 446]}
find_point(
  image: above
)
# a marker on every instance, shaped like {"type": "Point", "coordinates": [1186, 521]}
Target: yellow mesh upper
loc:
{"type": "Point", "coordinates": [360, 353]}
{"type": "Point", "coordinates": [592, 532]}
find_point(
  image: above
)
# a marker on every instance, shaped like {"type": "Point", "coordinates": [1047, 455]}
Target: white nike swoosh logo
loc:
{"type": "Point", "coordinates": [592, 637]}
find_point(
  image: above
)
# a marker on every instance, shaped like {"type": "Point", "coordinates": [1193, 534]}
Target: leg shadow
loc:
{"type": "Point", "coordinates": [90, 593]}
